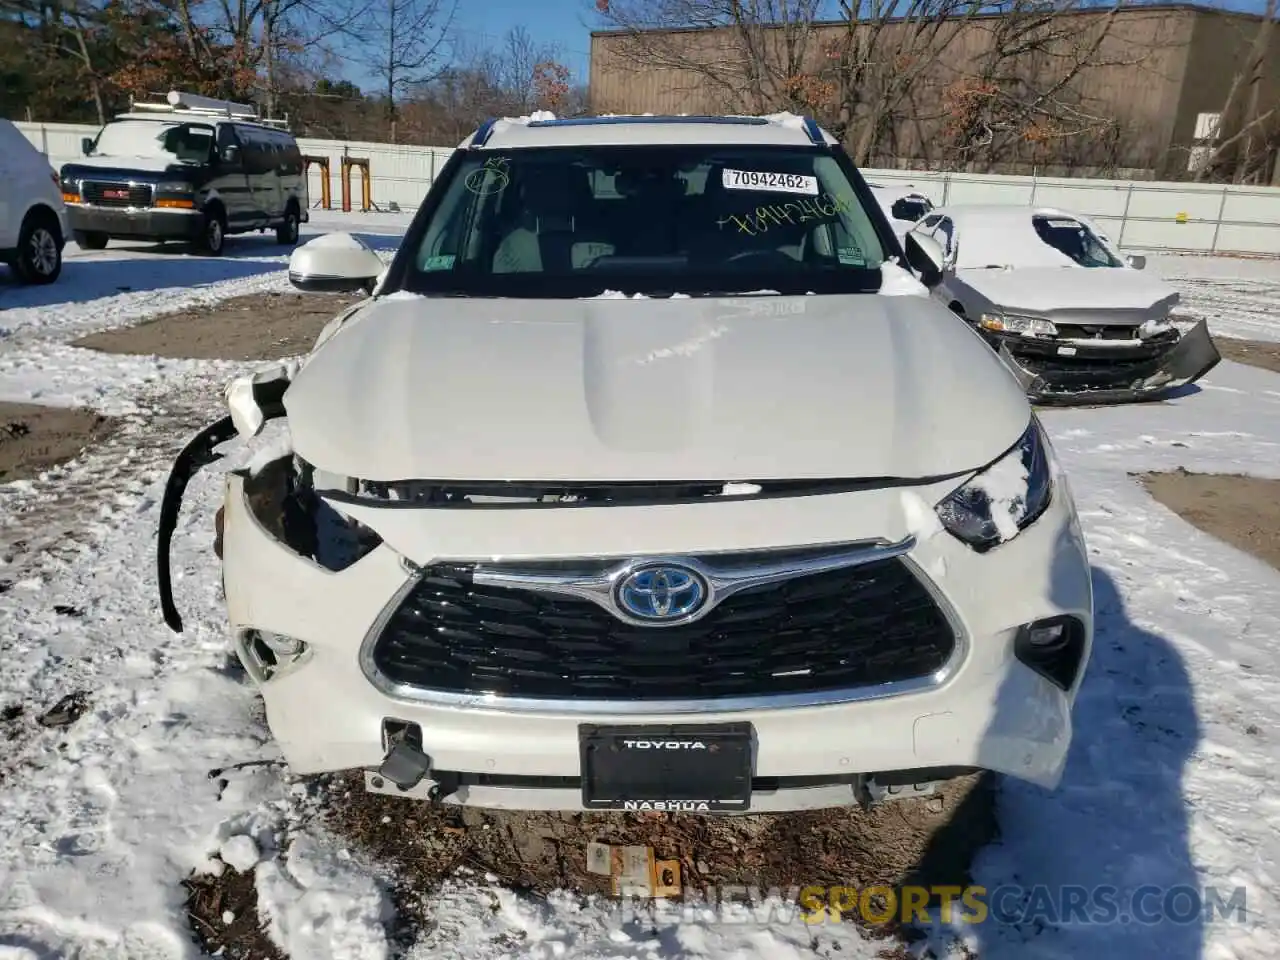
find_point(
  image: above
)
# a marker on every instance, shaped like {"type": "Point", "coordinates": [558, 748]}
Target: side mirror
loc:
{"type": "Point", "coordinates": [230, 154]}
{"type": "Point", "coordinates": [1137, 261]}
{"type": "Point", "coordinates": [926, 258]}
{"type": "Point", "coordinates": [86, 145]}
{"type": "Point", "coordinates": [334, 263]}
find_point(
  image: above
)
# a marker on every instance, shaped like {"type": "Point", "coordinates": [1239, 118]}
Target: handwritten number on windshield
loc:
{"type": "Point", "coordinates": [489, 179]}
{"type": "Point", "coordinates": [759, 221]}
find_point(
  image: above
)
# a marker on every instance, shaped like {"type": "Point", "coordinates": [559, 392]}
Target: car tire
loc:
{"type": "Point", "coordinates": [213, 233]}
{"type": "Point", "coordinates": [287, 232]}
{"type": "Point", "coordinates": [91, 239]}
{"type": "Point", "coordinates": [39, 256]}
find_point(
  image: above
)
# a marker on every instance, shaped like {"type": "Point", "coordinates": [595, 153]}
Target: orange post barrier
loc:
{"type": "Point", "coordinates": [366, 188]}
{"type": "Point", "coordinates": [326, 201]}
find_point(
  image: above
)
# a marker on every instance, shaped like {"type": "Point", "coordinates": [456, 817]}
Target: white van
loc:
{"type": "Point", "coordinates": [33, 221]}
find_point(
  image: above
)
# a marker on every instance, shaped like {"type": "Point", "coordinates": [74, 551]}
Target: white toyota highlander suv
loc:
{"type": "Point", "coordinates": [649, 477]}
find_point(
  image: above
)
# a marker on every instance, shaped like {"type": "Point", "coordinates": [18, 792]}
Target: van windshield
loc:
{"type": "Point", "coordinates": [175, 142]}
{"type": "Point", "coordinates": [580, 221]}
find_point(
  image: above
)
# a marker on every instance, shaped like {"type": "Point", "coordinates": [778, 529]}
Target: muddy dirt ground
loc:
{"type": "Point", "coordinates": [258, 327]}
{"type": "Point", "coordinates": [35, 438]}
{"type": "Point", "coordinates": [928, 841]}
{"type": "Point", "coordinates": [1253, 352]}
{"type": "Point", "coordinates": [1242, 511]}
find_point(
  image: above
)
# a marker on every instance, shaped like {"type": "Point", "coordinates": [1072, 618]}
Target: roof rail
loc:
{"type": "Point", "coordinates": [645, 118]}
{"type": "Point", "coordinates": [194, 105]}
{"type": "Point", "coordinates": [483, 132]}
{"type": "Point", "coordinates": [814, 131]}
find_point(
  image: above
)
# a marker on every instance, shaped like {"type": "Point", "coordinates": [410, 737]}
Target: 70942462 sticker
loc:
{"type": "Point", "coordinates": [774, 182]}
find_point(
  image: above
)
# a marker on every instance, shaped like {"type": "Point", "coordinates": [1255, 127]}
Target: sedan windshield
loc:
{"type": "Point", "coordinates": [176, 142]}
{"type": "Point", "coordinates": [1075, 240]}
{"type": "Point", "coordinates": [581, 221]}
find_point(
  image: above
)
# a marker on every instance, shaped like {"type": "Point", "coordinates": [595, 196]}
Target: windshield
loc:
{"type": "Point", "coordinates": [1075, 240]}
{"type": "Point", "coordinates": [580, 221]}
{"type": "Point", "coordinates": [176, 142]}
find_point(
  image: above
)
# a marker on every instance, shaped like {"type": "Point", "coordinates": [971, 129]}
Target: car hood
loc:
{"type": "Point", "coordinates": [1058, 292]}
{"type": "Point", "coordinates": [123, 164]}
{"type": "Point", "coordinates": [752, 388]}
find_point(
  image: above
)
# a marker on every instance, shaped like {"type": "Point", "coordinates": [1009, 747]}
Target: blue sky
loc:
{"type": "Point", "coordinates": [568, 23]}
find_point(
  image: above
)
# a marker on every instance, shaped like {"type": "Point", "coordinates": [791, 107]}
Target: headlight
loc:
{"type": "Point", "coordinates": [1003, 499]}
{"type": "Point", "coordinates": [1027, 326]}
{"type": "Point", "coordinates": [174, 187]}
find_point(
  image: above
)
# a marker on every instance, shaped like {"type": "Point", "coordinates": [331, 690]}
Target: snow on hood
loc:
{"type": "Point", "coordinates": [147, 164]}
{"type": "Point", "coordinates": [678, 389]}
{"type": "Point", "coordinates": [1050, 291]}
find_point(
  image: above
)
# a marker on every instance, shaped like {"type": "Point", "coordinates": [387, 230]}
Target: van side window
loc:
{"type": "Point", "coordinates": [227, 138]}
{"type": "Point", "coordinates": [257, 152]}
{"type": "Point", "coordinates": [292, 157]}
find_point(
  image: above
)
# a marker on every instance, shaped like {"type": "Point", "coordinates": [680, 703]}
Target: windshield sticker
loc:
{"type": "Point", "coordinates": [490, 179]}
{"type": "Point", "coordinates": [776, 182]}
{"type": "Point", "coordinates": [822, 209]}
{"type": "Point", "coordinates": [441, 262]}
{"type": "Point", "coordinates": [852, 256]}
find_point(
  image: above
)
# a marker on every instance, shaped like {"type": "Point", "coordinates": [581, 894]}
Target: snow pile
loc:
{"type": "Point", "coordinates": [897, 282]}
{"type": "Point", "coordinates": [481, 922]}
{"type": "Point", "coordinates": [240, 853]}
{"type": "Point", "coordinates": [319, 905]}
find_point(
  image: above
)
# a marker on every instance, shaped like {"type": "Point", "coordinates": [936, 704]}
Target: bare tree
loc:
{"type": "Point", "coordinates": [407, 42]}
{"type": "Point", "coordinates": [1248, 129]}
{"type": "Point", "coordinates": [890, 76]}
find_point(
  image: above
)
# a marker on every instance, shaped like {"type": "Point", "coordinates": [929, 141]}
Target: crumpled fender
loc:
{"type": "Point", "coordinates": [1187, 361]}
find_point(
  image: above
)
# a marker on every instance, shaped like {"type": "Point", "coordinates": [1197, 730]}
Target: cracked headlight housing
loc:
{"type": "Point", "coordinates": [1005, 498]}
{"type": "Point", "coordinates": [1023, 326]}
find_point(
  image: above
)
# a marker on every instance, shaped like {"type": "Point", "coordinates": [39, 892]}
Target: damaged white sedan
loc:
{"type": "Point", "coordinates": [1077, 321]}
{"type": "Point", "coordinates": [649, 477]}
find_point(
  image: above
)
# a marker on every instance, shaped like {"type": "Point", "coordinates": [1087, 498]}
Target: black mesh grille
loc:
{"type": "Point", "coordinates": [1068, 331]}
{"type": "Point", "coordinates": [855, 627]}
{"type": "Point", "coordinates": [134, 196]}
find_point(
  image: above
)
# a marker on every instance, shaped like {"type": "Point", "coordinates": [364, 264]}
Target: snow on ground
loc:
{"type": "Point", "coordinates": [1237, 297]}
{"type": "Point", "coordinates": [1171, 779]}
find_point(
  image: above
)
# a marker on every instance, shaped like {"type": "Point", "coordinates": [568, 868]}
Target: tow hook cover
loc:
{"type": "Point", "coordinates": [405, 765]}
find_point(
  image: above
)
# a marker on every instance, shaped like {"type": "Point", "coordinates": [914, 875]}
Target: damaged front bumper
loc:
{"type": "Point", "coordinates": [307, 627]}
{"type": "Point", "coordinates": [1107, 371]}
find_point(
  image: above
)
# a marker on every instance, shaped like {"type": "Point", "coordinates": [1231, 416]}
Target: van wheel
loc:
{"type": "Point", "coordinates": [287, 232]}
{"type": "Point", "coordinates": [39, 257]}
{"type": "Point", "coordinates": [213, 235]}
{"type": "Point", "coordinates": [91, 239]}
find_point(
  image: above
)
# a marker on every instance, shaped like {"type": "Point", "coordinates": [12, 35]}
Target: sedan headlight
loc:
{"type": "Point", "coordinates": [1005, 498]}
{"type": "Point", "coordinates": [1026, 326]}
{"type": "Point", "coordinates": [174, 187]}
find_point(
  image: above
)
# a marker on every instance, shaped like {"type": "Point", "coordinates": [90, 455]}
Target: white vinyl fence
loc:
{"type": "Point", "coordinates": [1138, 215]}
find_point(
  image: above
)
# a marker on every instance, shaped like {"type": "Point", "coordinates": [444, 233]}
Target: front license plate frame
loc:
{"type": "Point", "coordinates": [635, 768]}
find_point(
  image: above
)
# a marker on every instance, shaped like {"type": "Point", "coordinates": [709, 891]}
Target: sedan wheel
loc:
{"type": "Point", "coordinates": [39, 254]}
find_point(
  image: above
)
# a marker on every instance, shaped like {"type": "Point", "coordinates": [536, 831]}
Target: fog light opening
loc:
{"type": "Point", "coordinates": [270, 653]}
{"type": "Point", "coordinates": [1053, 648]}
{"type": "Point", "coordinates": [280, 645]}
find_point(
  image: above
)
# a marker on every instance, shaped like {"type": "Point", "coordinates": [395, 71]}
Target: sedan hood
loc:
{"type": "Point", "coordinates": [752, 388]}
{"type": "Point", "coordinates": [1058, 293]}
